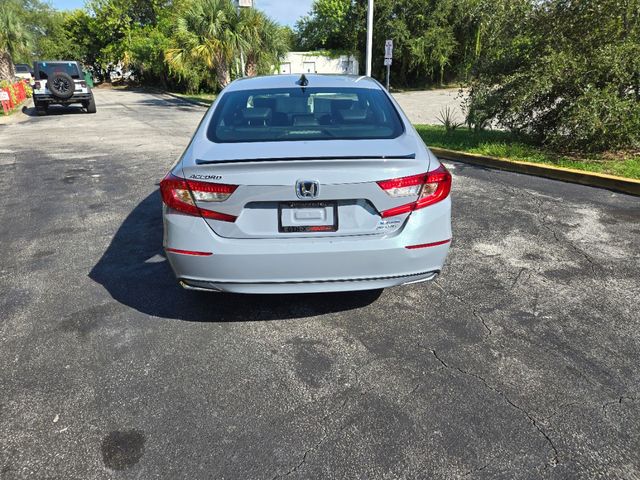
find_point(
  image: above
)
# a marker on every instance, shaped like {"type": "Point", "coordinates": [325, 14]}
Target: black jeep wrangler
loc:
{"type": "Point", "coordinates": [61, 83]}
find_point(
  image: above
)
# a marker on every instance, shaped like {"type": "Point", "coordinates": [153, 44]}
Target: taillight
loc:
{"type": "Point", "coordinates": [36, 85]}
{"type": "Point", "coordinates": [83, 84]}
{"type": "Point", "coordinates": [181, 195]}
{"type": "Point", "coordinates": [210, 192]}
{"type": "Point", "coordinates": [431, 187]}
{"type": "Point", "coordinates": [403, 187]}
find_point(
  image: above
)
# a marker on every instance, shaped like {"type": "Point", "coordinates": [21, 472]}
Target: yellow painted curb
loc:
{"type": "Point", "coordinates": [600, 180]}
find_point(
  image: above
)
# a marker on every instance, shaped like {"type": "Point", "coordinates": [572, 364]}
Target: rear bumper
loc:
{"type": "Point", "coordinates": [76, 98]}
{"type": "Point", "coordinates": [308, 286]}
{"type": "Point", "coordinates": [300, 265]}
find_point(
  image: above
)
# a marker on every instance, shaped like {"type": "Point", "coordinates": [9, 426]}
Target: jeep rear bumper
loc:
{"type": "Point", "coordinates": [76, 98]}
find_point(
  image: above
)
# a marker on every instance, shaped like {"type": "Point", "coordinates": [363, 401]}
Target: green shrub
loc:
{"type": "Point", "coordinates": [566, 74]}
{"type": "Point", "coordinates": [600, 119]}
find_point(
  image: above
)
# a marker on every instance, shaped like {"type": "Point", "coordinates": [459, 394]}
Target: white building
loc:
{"type": "Point", "coordinates": [314, 62]}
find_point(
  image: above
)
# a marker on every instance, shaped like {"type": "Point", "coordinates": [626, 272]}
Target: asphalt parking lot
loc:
{"type": "Point", "coordinates": [521, 361]}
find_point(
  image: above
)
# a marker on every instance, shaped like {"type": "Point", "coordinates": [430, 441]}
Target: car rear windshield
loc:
{"type": "Point", "coordinates": [22, 69]}
{"type": "Point", "coordinates": [289, 114]}
{"type": "Point", "coordinates": [46, 69]}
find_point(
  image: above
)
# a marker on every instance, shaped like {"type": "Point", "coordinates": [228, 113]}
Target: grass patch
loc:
{"type": "Point", "coordinates": [505, 145]}
{"type": "Point", "coordinates": [207, 98]}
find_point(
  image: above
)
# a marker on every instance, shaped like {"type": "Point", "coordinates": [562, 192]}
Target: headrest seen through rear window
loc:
{"type": "Point", "coordinates": [256, 113]}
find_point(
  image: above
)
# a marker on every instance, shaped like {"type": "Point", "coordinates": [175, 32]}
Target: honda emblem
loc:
{"type": "Point", "coordinates": [307, 189]}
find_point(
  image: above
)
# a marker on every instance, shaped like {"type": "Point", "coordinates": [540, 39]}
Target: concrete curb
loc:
{"type": "Point", "coordinates": [600, 180]}
{"type": "Point", "coordinates": [18, 116]}
{"type": "Point", "coordinates": [188, 100]}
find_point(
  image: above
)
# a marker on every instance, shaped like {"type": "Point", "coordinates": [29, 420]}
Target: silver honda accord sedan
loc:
{"type": "Point", "coordinates": [305, 184]}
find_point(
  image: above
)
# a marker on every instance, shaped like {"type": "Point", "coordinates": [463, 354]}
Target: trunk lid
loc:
{"type": "Point", "coordinates": [267, 202]}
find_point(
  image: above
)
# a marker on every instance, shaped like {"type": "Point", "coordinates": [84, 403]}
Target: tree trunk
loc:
{"type": "Point", "coordinates": [251, 67]}
{"type": "Point", "coordinates": [163, 80]}
{"type": "Point", "coordinates": [404, 66]}
{"type": "Point", "coordinates": [223, 76]}
{"type": "Point", "coordinates": [7, 71]}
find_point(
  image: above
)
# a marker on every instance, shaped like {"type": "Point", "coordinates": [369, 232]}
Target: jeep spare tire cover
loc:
{"type": "Point", "coordinates": [61, 85]}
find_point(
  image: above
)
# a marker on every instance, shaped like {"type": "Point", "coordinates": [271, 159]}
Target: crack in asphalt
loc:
{"type": "Point", "coordinates": [303, 460]}
{"type": "Point", "coordinates": [464, 302]}
{"type": "Point", "coordinates": [522, 270]}
{"type": "Point", "coordinates": [406, 398]}
{"type": "Point", "coordinates": [475, 470]}
{"type": "Point", "coordinates": [543, 219]}
{"type": "Point", "coordinates": [554, 460]}
{"type": "Point", "coordinates": [616, 402]}
{"type": "Point", "coordinates": [593, 265]}
{"type": "Point", "coordinates": [604, 406]}
{"type": "Point", "coordinates": [326, 433]}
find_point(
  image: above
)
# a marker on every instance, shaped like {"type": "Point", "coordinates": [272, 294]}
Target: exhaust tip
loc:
{"type": "Point", "coordinates": [199, 287]}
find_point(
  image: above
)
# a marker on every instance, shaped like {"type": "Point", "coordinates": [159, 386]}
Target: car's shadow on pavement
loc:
{"type": "Point", "coordinates": [134, 271]}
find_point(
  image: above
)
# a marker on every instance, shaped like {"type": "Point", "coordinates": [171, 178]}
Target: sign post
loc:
{"type": "Point", "coordinates": [388, 56]}
{"type": "Point", "coordinates": [243, 4]}
{"type": "Point", "coordinates": [369, 35]}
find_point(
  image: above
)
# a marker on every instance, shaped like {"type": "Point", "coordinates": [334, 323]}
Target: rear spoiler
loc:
{"type": "Point", "coordinates": [285, 159]}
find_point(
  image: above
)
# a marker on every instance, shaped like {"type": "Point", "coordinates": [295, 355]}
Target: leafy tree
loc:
{"type": "Point", "coordinates": [51, 34]}
{"type": "Point", "coordinates": [432, 38]}
{"type": "Point", "coordinates": [211, 37]}
{"type": "Point", "coordinates": [266, 42]}
{"type": "Point", "coordinates": [85, 43]}
{"type": "Point", "coordinates": [64, 35]}
{"type": "Point", "coordinates": [177, 43]}
{"type": "Point", "coordinates": [329, 25]}
{"type": "Point", "coordinates": [13, 39]}
{"type": "Point", "coordinates": [206, 35]}
{"type": "Point", "coordinates": [565, 73]}
{"type": "Point", "coordinates": [114, 23]}
{"type": "Point", "coordinates": [147, 49]}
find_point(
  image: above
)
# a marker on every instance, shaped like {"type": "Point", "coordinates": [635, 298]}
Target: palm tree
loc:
{"type": "Point", "coordinates": [13, 40]}
{"type": "Point", "coordinates": [267, 42]}
{"type": "Point", "coordinates": [206, 33]}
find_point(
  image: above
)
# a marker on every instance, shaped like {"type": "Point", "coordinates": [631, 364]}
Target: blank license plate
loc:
{"type": "Point", "coordinates": [307, 217]}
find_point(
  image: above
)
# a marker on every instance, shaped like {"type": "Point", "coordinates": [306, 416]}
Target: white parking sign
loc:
{"type": "Point", "coordinates": [4, 96]}
{"type": "Point", "coordinates": [388, 49]}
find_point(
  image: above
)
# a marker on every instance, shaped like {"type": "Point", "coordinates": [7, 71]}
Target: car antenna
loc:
{"type": "Point", "coordinates": [303, 81]}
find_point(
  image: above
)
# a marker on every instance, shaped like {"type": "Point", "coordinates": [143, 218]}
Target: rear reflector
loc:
{"type": "Point", "coordinates": [188, 252]}
{"type": "Point", "coordinates": [427, 245]}
{"type": "Point", "coordinates": [223, 217]}
{"type": "Point", "coordinates": [181, 195]}
{"type": "Point", "coordinates": [432, 187]}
